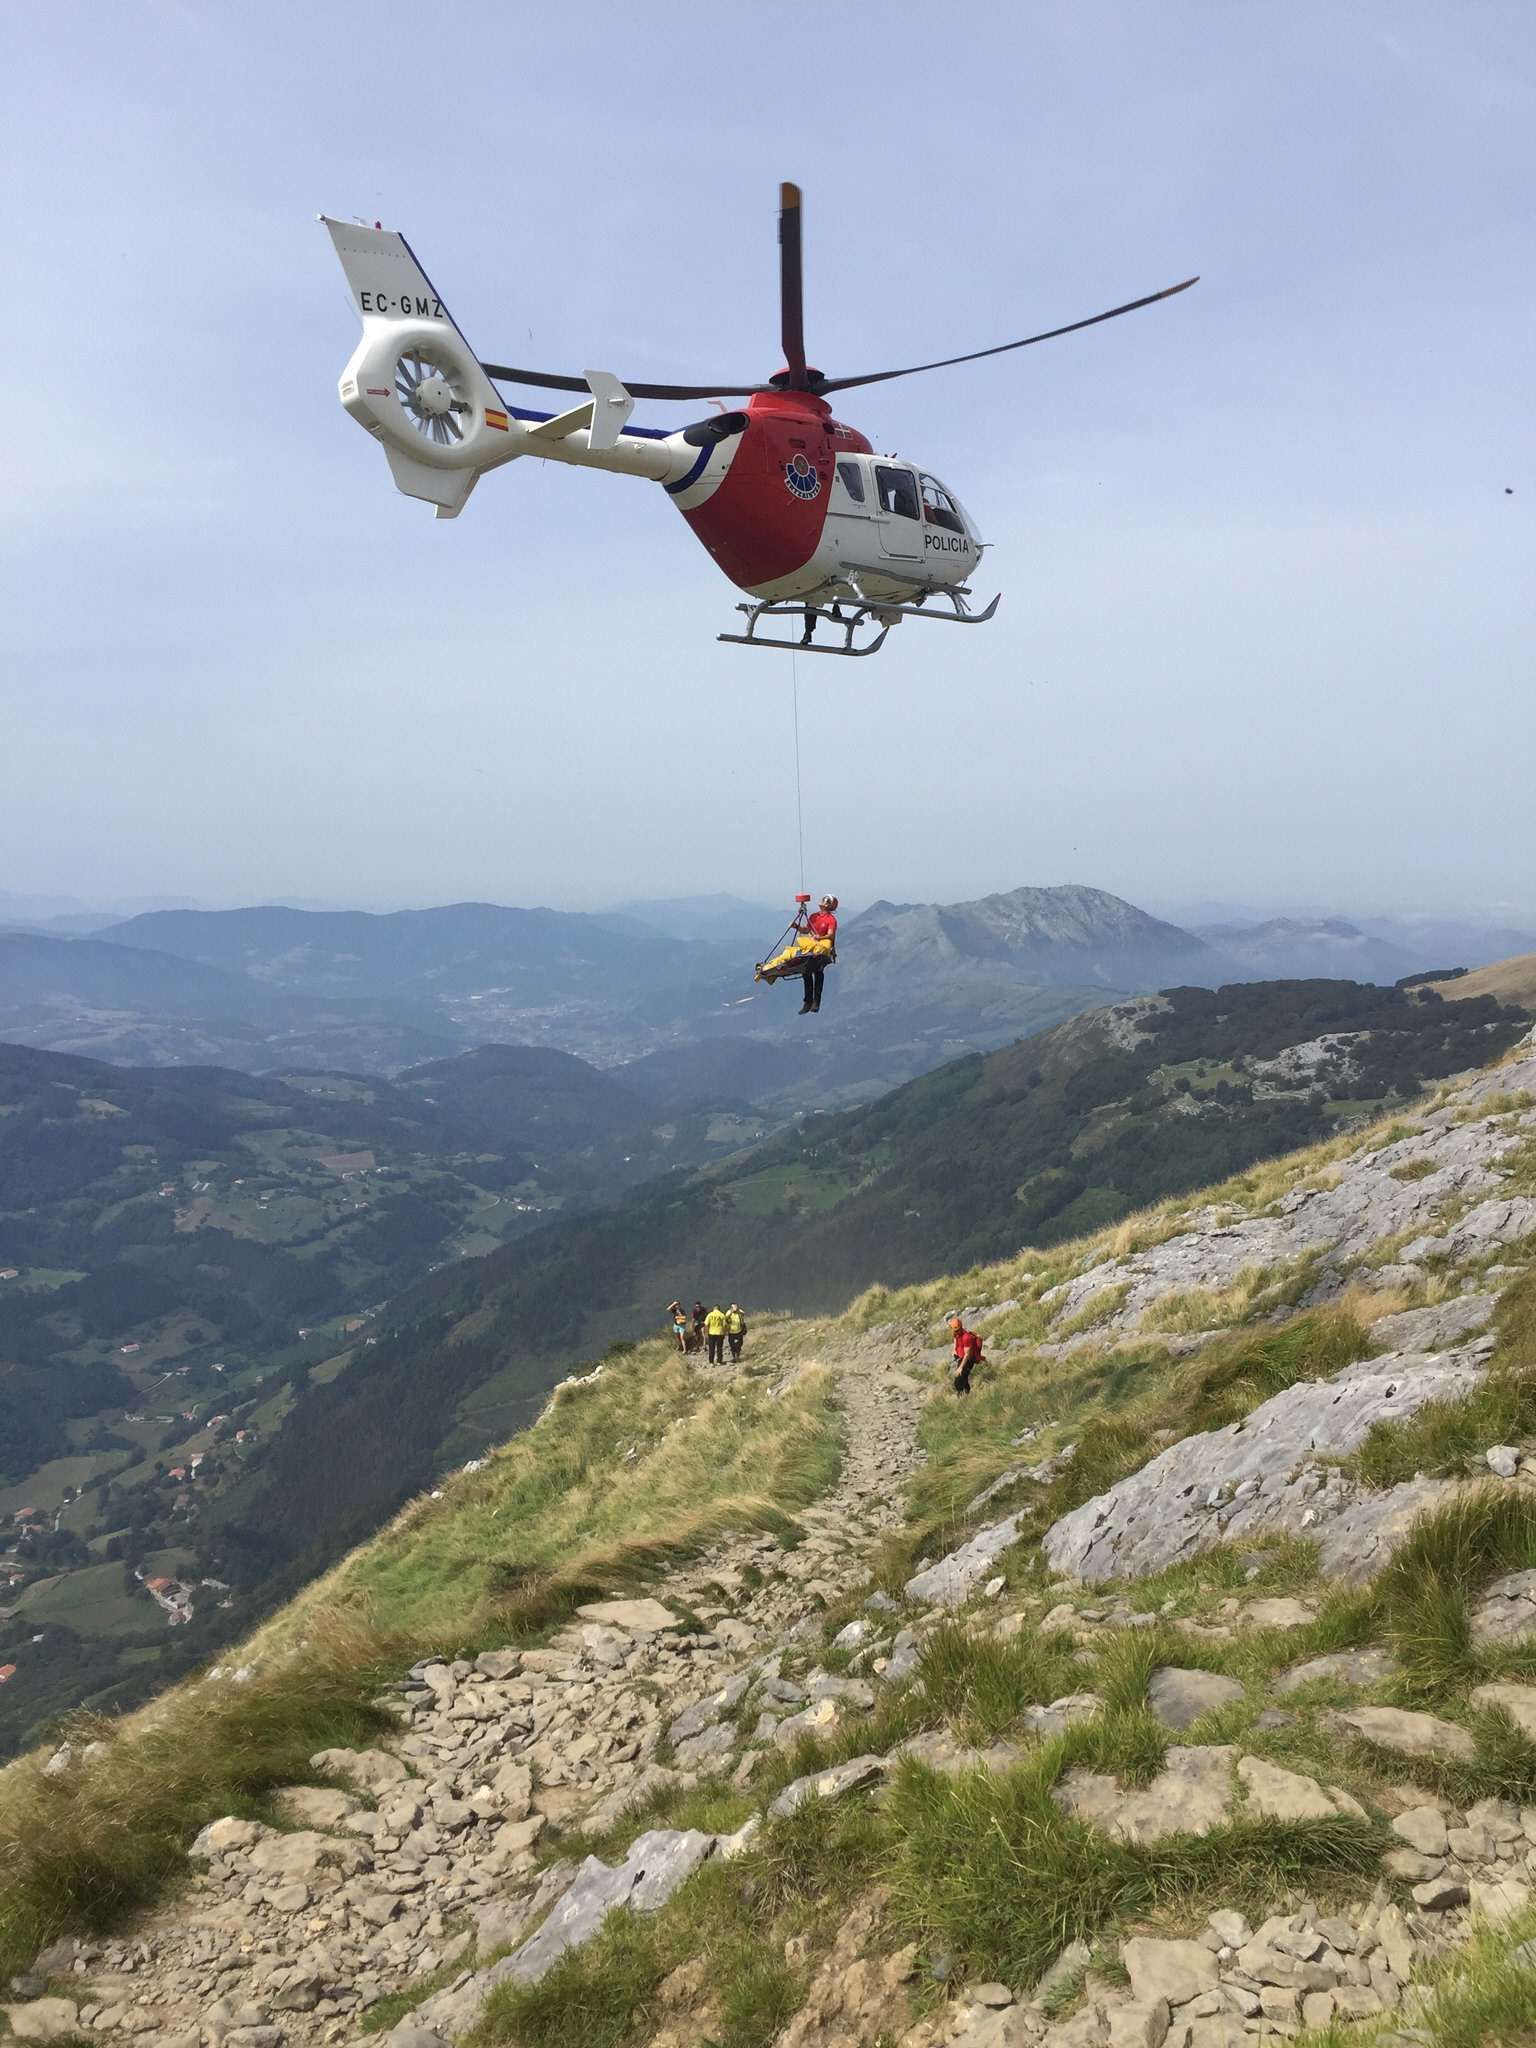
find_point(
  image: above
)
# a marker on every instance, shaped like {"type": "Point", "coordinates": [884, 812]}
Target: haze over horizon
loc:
{"type": "Point", "coordinates": [1265, 631]}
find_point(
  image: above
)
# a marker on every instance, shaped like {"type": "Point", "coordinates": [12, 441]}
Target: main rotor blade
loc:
{"type": "Point", "coordinates": [944, 362]}
{"type": "Point", "coordinates": [791, 298]}
{"type": "Point", "coordinates": [548, 380]}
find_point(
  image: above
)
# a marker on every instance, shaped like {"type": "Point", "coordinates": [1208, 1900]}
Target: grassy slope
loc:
{"type": "Point", "coordinates": [564, 1511]}
{"type": "Point", "coordinates": [1035, 1144]}
{"type": "Point", "coordinates": [1507, 981]}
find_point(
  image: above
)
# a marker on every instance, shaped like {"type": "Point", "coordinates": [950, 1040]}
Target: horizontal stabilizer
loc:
{"type": "Point", "coordinates": [563, 423]}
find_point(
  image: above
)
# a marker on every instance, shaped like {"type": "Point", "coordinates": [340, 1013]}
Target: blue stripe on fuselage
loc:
{"type": "Point", "coordinates": [522, 412]}
{"type": "Point", "coordinates": [700, 464]}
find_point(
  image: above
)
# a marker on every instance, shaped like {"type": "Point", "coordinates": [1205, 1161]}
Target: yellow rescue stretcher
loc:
{"type": "Point", "coordinates": [803, 953]}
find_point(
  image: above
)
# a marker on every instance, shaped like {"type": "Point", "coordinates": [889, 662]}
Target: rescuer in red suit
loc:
{"type": "Point", "coordinates": [821, 924]}
{"type": "Point", "coordinates": [967, 1354]}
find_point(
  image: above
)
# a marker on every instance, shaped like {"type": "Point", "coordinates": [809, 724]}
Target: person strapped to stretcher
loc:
{"type": "Point", "coordinates": [811, 950]}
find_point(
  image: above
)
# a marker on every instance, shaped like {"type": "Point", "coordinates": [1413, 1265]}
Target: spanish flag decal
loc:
{"type": "Point", "coordinates": [495, 419]}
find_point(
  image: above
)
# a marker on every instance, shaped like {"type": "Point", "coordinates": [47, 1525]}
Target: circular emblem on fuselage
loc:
{"type": "Point", "coordinates": [800, 474]}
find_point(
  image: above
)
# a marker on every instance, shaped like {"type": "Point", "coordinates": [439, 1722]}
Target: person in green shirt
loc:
{"type": "Point", "coordinates": [735, 1329]}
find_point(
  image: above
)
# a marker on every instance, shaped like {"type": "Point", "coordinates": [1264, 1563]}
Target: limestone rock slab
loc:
{"type": "Point", "coordinates": [1171, 1971]}
{"type": "Point", "coordinates": [1343, 1667]}
{"type": "Point", "coordinates": [1252, 1477]}
{"type": "Point", "coordinates": [1410, 1734]}
{"type": "Point", "coordinates": [951, 1581]}
{"type": "Point", "coordinates": [848, 1777]}
{"type": "Point", "coordinates": [1190, 1795]}
{"type": "Point", "coordinates": [635, 1617]}
{"type": "Point", "coordinates": [1178, 1696]}
{"type": "Point", "coordinates": [657, 1863]}
{"type": "Point", "coordinates": [1518, 1701]}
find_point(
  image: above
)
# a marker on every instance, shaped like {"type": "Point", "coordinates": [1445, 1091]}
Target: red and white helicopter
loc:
{"type": "Point", "coordinates": [795, 507]}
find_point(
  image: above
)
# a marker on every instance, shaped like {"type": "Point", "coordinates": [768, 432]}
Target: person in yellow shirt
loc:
{"type": "Point", "coordinates": [714, 1332]}
{"type": "Point", "coordinates": [735, 1329]}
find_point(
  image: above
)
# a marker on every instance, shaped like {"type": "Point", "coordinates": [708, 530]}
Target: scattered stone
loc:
{"type": "Point", "coordinates": [989, 1994]}
{"type": "Point", "coordinates": [709, 1748]}
{"type": "Point", "coordinates": [225, 1838]}
{"type": "Point", "coordinates": [820, 1719]}
{"type": "Point", "coordinates": [313, 1806]}
{"type": "Point", "coordinates": [1276, 1794]}
{"type": "Point", "coordinates": [635, 1617]}
{"type": "Point", "coordinates": [832, 1784]}
{"type": "Point", "coordinates": [43, 2019]}
{"type": "Point", "coordinates": [1142, 2025]}
{"type": "Point", "coordinates": [371, 1770]}
{"type": "Point", "coordinates": [1499, 1899]}
{"type": "Point", "coordinates": [1279, 1613]}
{"type": "Point", "coordinates": [1342, 1667]}
{"type": "Point", "coordinates": [1171, 1971]}
{"type": "Point", "coordinates": [1190, 1795]}
{"type": "Point", "coordinates": [1179, 1697]}
{"type": "Point", "coordinates": [1410, 1734]}
{"type": "Point", "coordinates": [1422, 1828]}
{"type": "Point", "coordinates": [624, 1798]}
{"type": "Point", "coordinates": [1506, 1611]}
{"type": "Point", "coordinates": [1518, 1701]}
{"type": "Point", "coordinates": [1440, 1894]}
{"type": "Point", "coordinates": [1072, 1706]}
{"type": "Point", "coordinates": [906, 1655]}
{"type": "Point", "coordinates": [1503, 1461]}
{"type": "Point", "coordinates": [1396, 1942]}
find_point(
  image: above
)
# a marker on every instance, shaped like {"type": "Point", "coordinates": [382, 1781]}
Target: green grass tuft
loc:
{"type": "Point", "coordinates": [990, 1869]}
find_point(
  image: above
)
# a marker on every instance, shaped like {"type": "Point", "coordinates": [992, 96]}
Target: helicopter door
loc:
{"type": "Point", "coordinates": [900, 518]}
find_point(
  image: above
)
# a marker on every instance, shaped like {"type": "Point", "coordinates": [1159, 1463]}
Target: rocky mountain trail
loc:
{"type": "Point", "coordinates": [433, 1848]}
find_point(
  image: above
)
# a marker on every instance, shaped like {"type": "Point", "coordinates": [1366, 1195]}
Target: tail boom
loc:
{"type": "Point", "coordinates": [417, 386]}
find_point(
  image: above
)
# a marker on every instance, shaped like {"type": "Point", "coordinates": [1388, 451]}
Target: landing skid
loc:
{"type": "Point", "coordinates": [849, 622]}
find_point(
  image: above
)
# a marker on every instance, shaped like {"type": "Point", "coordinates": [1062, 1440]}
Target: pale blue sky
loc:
{"type": "Point", "coordinates": [1266, 629]}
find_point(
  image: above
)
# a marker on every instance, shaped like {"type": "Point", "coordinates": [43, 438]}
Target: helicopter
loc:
{"type": "Point", "coordinates": [794, 505]}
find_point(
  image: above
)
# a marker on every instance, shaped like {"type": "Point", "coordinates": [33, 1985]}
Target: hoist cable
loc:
{"type": "Point", "coordinates": [794, 685]}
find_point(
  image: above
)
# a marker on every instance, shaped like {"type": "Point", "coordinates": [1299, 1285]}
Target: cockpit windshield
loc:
{"type": "Point", "coordinates": [939, 508]}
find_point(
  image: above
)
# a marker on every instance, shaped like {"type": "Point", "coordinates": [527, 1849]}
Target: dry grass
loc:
{"type": "Point", "coordinates": [1511, 981]}
{"type": "Point", "coordinates": [1369, 1304]}
{"type": "Point", "coordinates": [619, 1477]}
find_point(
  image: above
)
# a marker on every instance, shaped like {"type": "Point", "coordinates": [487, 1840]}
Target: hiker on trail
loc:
{"type": "Point", "coordinates": [967, 1354]}
{"type": "Point", "coordinates": [698, 1326]}
{"type": "Point", "coordinates": [735, 1329]}
{"type": "Point", "coordinates": [679, 1317]}
{"type": "Point", "coordinates": [714, 1330]}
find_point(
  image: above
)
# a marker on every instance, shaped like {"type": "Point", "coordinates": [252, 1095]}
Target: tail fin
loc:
{"type": "Point", "coordinates": [413, 381]}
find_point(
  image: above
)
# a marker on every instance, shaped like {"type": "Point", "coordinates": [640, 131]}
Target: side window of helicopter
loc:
{"type": "Point", "coordinates": [851, 480]}
{"type": "Point", "coordinates": [897, 490]}
{"type": "Point", "coordinates": [938, 509]}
